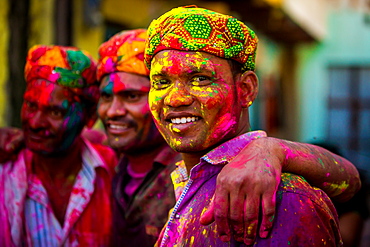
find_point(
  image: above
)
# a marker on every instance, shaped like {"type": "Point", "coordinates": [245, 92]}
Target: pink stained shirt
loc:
{"type": "Point", "coordinates": [27, 214]}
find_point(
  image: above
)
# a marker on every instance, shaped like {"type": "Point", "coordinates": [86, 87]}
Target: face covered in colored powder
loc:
{"type": "Point", "coordinates": [123, 108]}
{"type": "Point", "coordinates": [194, 100]}
{"type": "Point", "coordinates": [51, 118]}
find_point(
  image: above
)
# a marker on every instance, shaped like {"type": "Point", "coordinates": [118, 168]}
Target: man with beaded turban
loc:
{"type": "Point", "coordinates": [57, 192]}
{"type": "Point", "coordinates": [202, 84]}
{"type": "Point", "coordinates": [144, 170]}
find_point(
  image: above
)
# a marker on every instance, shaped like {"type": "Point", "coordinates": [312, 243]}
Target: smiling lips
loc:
{"type": "Point", "coordinates": [183, 120]}
{"type": "Point", "coordinates": [117, 128]}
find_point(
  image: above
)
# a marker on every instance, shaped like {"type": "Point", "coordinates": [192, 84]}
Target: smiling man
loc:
{"type": "Point", "coordinates": [57, 191]}
{"type": "Point", "coordinates": [142, 192]}
{"type": "Point", "coordinates": [202, 83]}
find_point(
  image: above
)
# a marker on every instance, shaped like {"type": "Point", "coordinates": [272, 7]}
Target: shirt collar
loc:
{"type": "Point", "coordinates": [221, 155]}
{"type": "Point", "coordinates": [92, 157]}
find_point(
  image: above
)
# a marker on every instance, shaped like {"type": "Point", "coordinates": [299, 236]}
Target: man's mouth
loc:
{"type": "Point", "coordinates": [117, 127]}
{"type": "Point", "coordinates": [183, 120]}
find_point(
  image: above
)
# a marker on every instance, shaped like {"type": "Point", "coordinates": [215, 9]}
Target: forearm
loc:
{"type": "Point", "coordinates": [334, 174]}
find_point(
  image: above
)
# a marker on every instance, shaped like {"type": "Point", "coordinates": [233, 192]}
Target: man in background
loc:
{"type": "Point", "coordinates": [57, 191]}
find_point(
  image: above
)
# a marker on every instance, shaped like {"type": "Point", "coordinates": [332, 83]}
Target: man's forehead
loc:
{"type": "Point", "coordinates": [193, 60]}
{"type": "Point", "coordinates": [125, 82]}
{"type": "Point", "coordinates": [48, 93]}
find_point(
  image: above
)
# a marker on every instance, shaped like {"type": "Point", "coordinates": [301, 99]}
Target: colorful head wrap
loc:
{"type": "Point", "coordinates": [123, 52]}
{"type": "Point", "coordinates": [66, 66]}
{"type": "Point", "coordinates": [191, 28]}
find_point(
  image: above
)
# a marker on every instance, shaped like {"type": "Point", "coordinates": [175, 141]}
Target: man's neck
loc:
{"type": "Point", "coordinates": [142, 162]}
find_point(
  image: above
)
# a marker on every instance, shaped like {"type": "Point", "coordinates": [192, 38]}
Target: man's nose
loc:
{"type": "Point", "coordinates": [117, 108]}
{"type": "Point", "coordinates": [178, 95]}
{"type": "Point", "coordinates": [38, 120]}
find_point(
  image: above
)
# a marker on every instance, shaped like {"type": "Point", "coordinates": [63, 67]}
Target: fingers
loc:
{"type": "Point", "coordinates": [236, 215]}
{"type": "Point", "coordinates": [221, 213]}
{"type": "Point", "coordinates": [207, 216]}
{"type": "Point", "coordinates": [15, 140]}
{"type": "Point", "coordinates": [251, 211]}
{"type": "Point", "coordinates": [268, 214]}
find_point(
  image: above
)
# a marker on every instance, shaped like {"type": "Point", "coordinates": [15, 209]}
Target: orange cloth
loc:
{"type": "Point", "coordinates": [123, 52]}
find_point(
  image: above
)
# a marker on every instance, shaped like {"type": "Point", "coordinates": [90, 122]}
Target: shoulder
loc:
{"type": "Point", "coordinates": [291, 183]}
{"type": "Point", "coordinates": [295, 191]}
{"type": "Point", "coordinates": [18, 162]}
{"type": "Point", "coordinates": [106, 153]}
{"type": "Point", "coordinates": [301, 210]}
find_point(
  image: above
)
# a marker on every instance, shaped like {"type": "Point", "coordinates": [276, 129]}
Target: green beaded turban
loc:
{"type": "Point", "coordinates": [66, 66]}
{"type": "Point", "coordinates": [191, 28]}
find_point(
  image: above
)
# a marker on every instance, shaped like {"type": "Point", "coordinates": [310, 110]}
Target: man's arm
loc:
{"type": "Point", "coordinates": [248, 184]}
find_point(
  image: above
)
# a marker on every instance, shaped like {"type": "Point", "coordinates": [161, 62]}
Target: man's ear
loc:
{"type": "Point", "coordinates": [248, 88]}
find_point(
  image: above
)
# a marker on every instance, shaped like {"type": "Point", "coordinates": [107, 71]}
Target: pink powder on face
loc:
{"type": "Point", "coordinates": [118, 86]}
{"type": "Point", "coordinates": [145, 89]}
{"type": "Point", "coordinates": [35, 94]}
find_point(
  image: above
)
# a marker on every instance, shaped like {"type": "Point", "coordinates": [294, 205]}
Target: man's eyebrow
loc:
{"type": "Point", "coordinates": [160, 73]}
{"type": "Point", "coordinates": [134, 90]}
{"type": "Point", "coordinates": [56, 107]}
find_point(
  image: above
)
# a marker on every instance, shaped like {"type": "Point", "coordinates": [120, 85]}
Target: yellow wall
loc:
{"type": "Point", "coordinates": [41, 22]}
{"type": "Point", "coordinates": [139, 13]}
{"type": "Point", "coordinates": [4, 35]}
{"type": "Point", "coordinates": [85, 37]}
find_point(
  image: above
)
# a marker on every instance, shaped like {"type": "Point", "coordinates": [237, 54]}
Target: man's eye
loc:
{"type": "Point", "coordinates": [201, 80]}
{"type": "Point", "coordinates": [56, 113]}
{"type": "Point", "coordinates": [105, 96]}
{"type": "Point", "coordinates": [30, 105]}
{"type": "Point", "coordinates": [161, 84]}
{"type": "Point", "coordinates": [131, 97]}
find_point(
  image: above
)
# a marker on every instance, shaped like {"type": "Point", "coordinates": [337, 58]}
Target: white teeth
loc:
{"type": "Point", "coordinates": [184, 120]}
{"type": "Point", "coordinates": [113, 126]}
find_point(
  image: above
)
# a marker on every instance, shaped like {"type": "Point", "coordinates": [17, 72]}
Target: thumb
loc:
{"type": "Point", "coordinates": [207, 216]}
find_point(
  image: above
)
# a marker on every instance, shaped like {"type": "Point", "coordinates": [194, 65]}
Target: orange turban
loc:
{"type": "Point", "coordinates": [191, 28]}
{"type": "Point", "coordinates": [66, 66]}
{"type": "Point", "coordinates": [123, 52]}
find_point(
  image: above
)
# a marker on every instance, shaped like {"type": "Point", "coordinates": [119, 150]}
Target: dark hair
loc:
{"type": "Point", "coordinates": [235, 66]}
